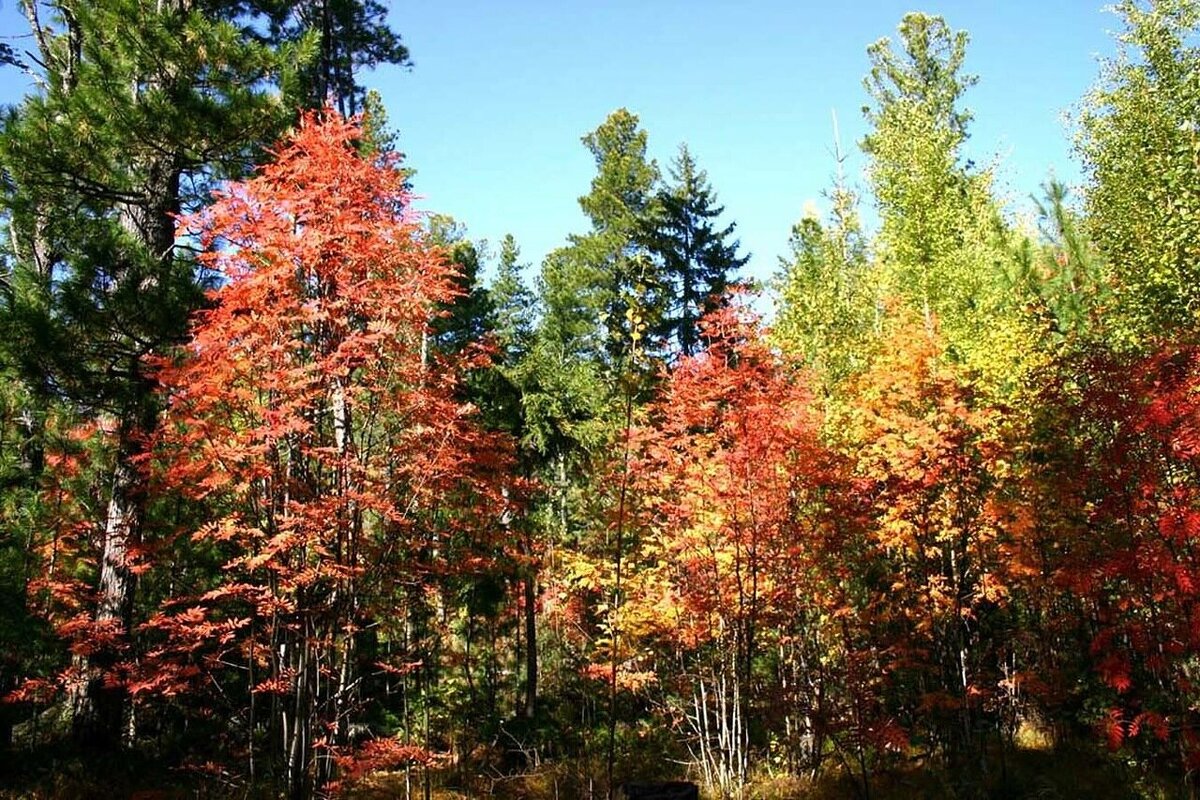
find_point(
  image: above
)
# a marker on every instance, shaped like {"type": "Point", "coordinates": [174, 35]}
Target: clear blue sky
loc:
{"type": "Point", "coordinates": [492, 112]}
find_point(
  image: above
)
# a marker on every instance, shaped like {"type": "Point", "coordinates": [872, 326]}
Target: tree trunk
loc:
{"type": "Point", "coordinates": [531, 651]}
{"type": "Point", "coordinates": [99, 705]}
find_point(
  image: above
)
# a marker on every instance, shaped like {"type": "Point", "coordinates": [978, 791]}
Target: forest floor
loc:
{"type": "Point", "coordinates": [1064, 773]}
{"type": "Point", "coordinates": [1030, 773]}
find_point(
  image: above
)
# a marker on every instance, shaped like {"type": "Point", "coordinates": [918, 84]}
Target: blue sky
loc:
{"type": "Point", "coordinates": [492, 112]}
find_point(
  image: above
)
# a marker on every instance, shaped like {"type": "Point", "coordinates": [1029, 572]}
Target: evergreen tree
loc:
{"type": "Point", "coordinates": [563, 374]}
{"type": "Point", "coordinates": [612, 261]}
{"type": "Point", "coordinates": [512, 324]}
{"type": "Point", "coordinates": [696, 258]}
{"type": "Point", "coordinates": [467, 318]}
{"type": "Point", "coordinates": [142, 107]}
{"type": "Point", "coordinates": [1059, 267]}
{"type": "Point", "coordinates": [349, 35]}
{"type": "Point", "coordinates": [513, 305]}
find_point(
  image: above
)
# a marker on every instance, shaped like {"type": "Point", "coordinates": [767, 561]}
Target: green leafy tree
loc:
{"type": "Point", "coordinates": [1140, 144]}
{"type": "Point", "coordinates": [916, 169]}
{"type": "Point", "coordinates": [827, 302]}
{"type": "Point", "coordinates": [943, 247]}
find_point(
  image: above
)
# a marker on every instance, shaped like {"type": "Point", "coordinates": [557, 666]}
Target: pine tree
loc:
{"type": "Point", "coordinates": [612, 260]}
{"type": "Point", "coordinates": [349, 35]}
{"type": "Point", "coordinates": [1059, 268]}
{"type": "Point", "coordinates": [142, 107]}
{"type": "Point", "coordinates": [695, 258]}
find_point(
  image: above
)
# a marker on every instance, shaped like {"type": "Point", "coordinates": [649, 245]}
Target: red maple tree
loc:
{"type": "Point", "coordinates": [309, 417]}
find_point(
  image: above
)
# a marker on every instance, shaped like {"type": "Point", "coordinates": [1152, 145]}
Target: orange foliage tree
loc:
{"type": "Point", "coordinates": [930, 466]}
{"type": "Point", "coordinates": [735, 491]}
{"type": "Point", "coordinates": [337, 466]}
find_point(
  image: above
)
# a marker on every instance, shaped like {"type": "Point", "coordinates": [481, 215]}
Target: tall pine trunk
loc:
{"type": "Point", "coordinates": [99, 705]}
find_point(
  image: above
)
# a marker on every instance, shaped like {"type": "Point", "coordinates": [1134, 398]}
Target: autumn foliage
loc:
{"type": "Point", "coordinates": [308, 418]}
{"type": "Point", "coordinates": [359, 518]}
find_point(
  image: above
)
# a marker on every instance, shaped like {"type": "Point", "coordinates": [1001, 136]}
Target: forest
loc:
{"type": "Point", "coordinates": [307, 493]}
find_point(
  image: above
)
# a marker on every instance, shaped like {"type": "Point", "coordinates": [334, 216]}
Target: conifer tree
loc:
{"type": "Point", "coordinates": [141, 107]}
{"type": "Point", "coordinates": [349, 35]}
{"type": "Point", "coordinates": [612, 260]}
{"type": "Point", "coordinates": [512, 304]}
{"type": "Point", "coordinates": [696, 259]}
{"type": "Point", "coordinates": [467, 317]}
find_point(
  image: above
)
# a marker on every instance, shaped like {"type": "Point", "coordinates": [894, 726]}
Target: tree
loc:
{"type": "Point", "coordinates": [1059, 267]}
{"type": "Point", "coordinates": [696, 261]}
{"type": "Point", "coordinates": [915, 169]}
{"type": "Point", "coordinates": [943, 246]}
{"type": "Point", "coordinates": [1127, 545]}
{"type": "Point", "coordinates": [827, 303]}
{"type": "Point", "coordinates": [596, 303]}
{"type": "Point", "coordinates": [332, 449]}
{"type": "Point", "coordinates": [731, 471]}
{"type": "Point", "coordinates": [927, 457]}
{"type": "Point", "coordinates": [467, 316]}
{"type": "Point", "coordinates": [141, 106]}
{"type": "Point", "coordinates": [612, 257]}
{"type": "Point", "coordinates": [513, 304]}
{"type": "Point", "coordinates": [349, 35]}
{"type": "Point", "coordinates": [1141, 150]}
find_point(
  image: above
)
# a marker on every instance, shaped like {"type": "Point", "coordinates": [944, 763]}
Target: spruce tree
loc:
{"type": "Point", "coordinates": [468, 317]}
{"type": "Point", "coordinates": [513, 304]}
{"type": "Point", "coordinates": [696, 259]}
